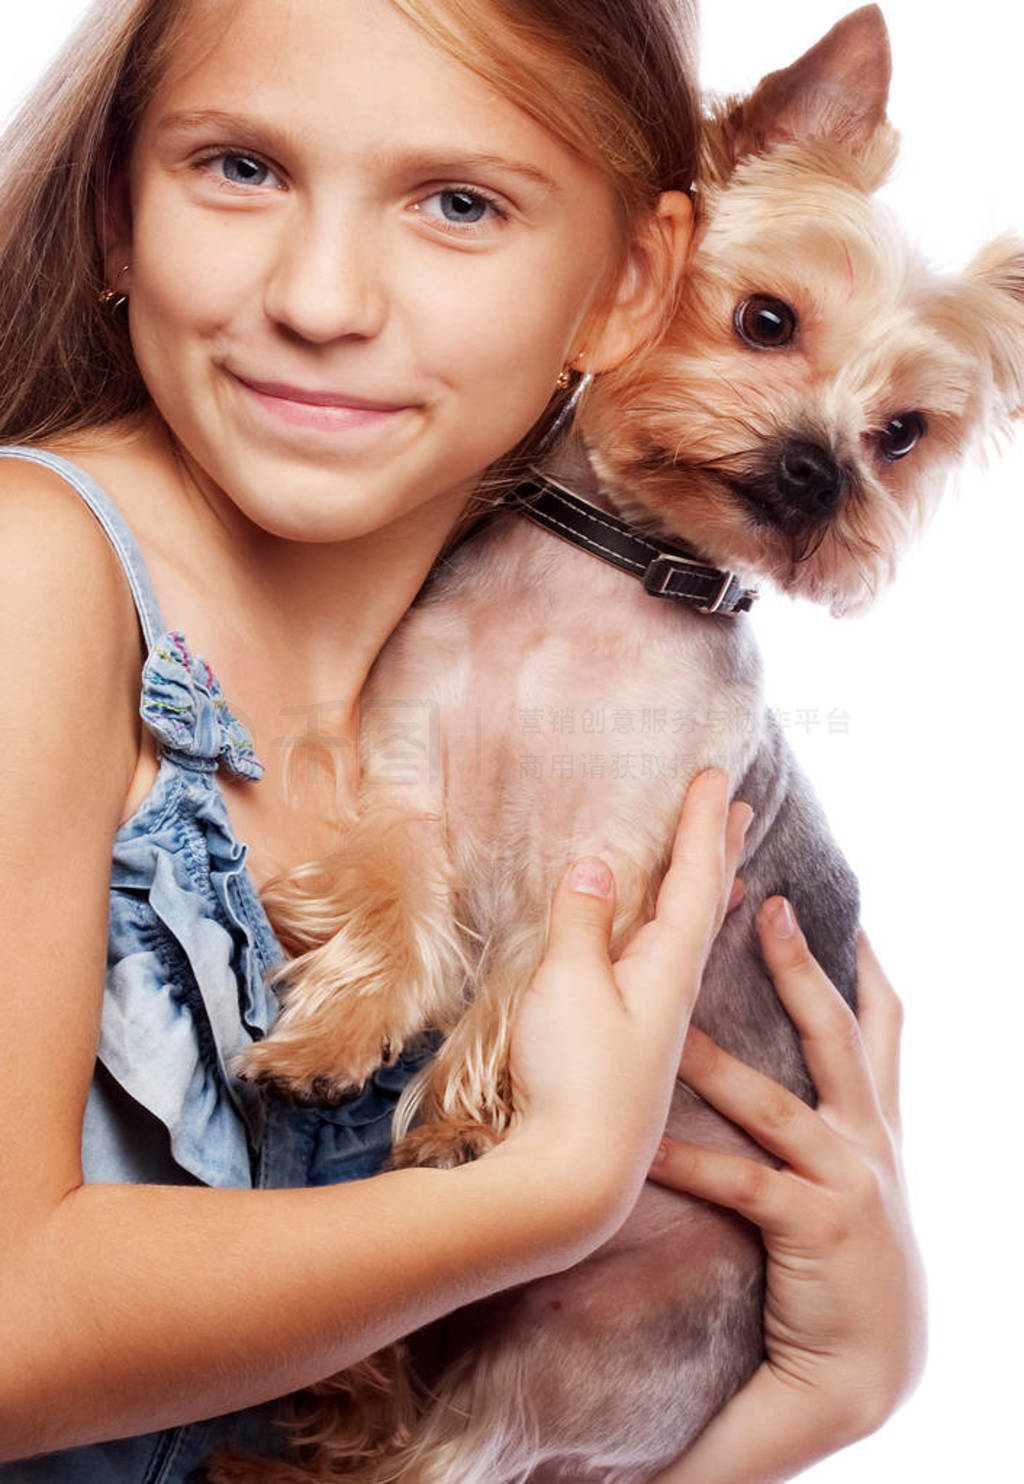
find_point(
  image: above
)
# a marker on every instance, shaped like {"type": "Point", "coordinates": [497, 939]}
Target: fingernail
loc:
{"type": "Point", "coordinates": [591, 876]}
{"type": "Point", "coordinates": [748, 821]}
{"type": "Point", "coordinates": [660, 1153]}
{"type": "Point", "coordinates": [783, 922]}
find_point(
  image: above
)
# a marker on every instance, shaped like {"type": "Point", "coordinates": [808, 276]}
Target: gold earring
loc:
{"type": "Point", "coordinates": [565, 375]}
{"type": "Point", "coordinates": [112, 299]}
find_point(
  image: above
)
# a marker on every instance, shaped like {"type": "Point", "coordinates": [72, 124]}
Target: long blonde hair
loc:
{"type": "Point", "coordinates": [65, 363]}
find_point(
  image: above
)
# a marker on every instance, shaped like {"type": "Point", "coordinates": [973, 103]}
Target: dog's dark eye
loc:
{"type": "Point", "coordinates": [764, 322]}
{"type": "Point", "coordinates": [901, 434]}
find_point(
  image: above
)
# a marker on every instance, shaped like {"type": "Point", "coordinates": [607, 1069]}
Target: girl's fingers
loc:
{"type": "Point", "coordinates": [828, 1028]}
{"type": "Point", "coordinates": [695, 887]}
{"type": "Point", "coordinates": [689, 893]}
{"type": "Point", "coordinates": [763, 1195]}
{"type": "Point", "coordinates": [780, 1121]}
{"type": "Point", "coordinates": [880, 1016]}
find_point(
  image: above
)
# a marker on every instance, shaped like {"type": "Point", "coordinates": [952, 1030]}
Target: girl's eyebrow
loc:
{"type": "Point", "coordinates": [420, 160]}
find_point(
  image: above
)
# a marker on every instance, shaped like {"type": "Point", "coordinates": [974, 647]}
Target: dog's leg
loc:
{"type": "Point", "coordinates": [463, 1099]}
{"type": "Point", "coordinates": [463, 1096]}
{"type": "Point", "coordinates": [389, 960]}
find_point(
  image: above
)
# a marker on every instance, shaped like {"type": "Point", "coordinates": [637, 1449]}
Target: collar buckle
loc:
{"type": "Point", "coordinates": [713, 607]}
{"type": "Point", "coordinates": [658, 575]}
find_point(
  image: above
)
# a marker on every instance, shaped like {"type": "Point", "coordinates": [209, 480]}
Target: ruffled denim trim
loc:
{"type": "Point", "coordinates": [189, 947]}
{"type": "Point", "coordinates": [183, 705]}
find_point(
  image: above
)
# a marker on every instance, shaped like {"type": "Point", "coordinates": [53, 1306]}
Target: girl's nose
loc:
{"type": "Point", "coordinates": [328, 281]}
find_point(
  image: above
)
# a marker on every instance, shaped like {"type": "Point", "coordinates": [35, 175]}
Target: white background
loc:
{"type": "Point", "coordinates": [922, 790]}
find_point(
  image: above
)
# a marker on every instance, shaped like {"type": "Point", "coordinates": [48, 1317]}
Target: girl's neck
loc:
{"type": "Point", "coordinates": [310, 618]}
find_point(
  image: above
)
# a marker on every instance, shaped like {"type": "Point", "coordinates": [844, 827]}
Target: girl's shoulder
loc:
{"type": "Point", "coordinates": [53, 541]}
{"type": "Point", "coordinates": [71, 649]}
{"type": "Point", "coordinates": [78, 492]}
{"type": "Point", "coordinates": [56, 551]}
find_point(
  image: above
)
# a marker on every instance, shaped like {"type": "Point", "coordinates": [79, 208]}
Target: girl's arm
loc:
{"type": "Point", "coordinates": [128, 1308]}
{"type": "Point", "coordinates": [125, 1308]}
{"type": "Point", "coordinates": [845, 1320]}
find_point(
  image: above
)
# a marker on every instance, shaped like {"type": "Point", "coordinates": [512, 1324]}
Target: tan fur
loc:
{"type": "Point", "coordinates": [883, 336]}
{"type": "Point", "coordinates": [391, 925]}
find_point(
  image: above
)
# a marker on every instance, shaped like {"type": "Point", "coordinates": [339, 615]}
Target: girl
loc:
{"type": "Point", "coordinates": [282, 283]}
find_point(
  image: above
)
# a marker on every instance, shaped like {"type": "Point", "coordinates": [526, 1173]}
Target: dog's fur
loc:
{"type": "Point", "coordinates": [609, 1370]}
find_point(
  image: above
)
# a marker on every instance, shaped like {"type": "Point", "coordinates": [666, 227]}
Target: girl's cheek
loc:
{"type": "Point", "coordinates": [189, 264]}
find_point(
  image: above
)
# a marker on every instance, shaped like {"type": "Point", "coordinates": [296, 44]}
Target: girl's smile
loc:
{"type": "Point", "coordinates": [332, 412]}
{"type": "Point", "coordinates": [355, 269]}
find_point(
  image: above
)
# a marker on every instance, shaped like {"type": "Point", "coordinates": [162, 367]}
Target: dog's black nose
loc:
{"type": "Point", "coordinates": [809, 479]}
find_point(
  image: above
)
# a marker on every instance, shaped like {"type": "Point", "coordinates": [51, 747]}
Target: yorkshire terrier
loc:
{"type": "Point", "coordinates": [794, 425]}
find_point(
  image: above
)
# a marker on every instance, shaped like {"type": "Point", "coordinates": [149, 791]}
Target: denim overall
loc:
{"type": "Point", "coordinates": [189, 945]}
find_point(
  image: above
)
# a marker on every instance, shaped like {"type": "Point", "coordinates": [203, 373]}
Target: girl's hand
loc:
{"type": "Point", "coordinates": [845, 1324]}
{"type": "Point", "coordinates": [595, 1045]}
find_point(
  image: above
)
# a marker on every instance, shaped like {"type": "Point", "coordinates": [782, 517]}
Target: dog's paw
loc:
{"type": "Point", "coordinates": [325, 1058]}
{"type": "Point", "coordinates": [292, 1067]}
{"type": "Point", "coordinates": [305, 1091]}
{"type": "Point", "coordinates": [442, 1146]}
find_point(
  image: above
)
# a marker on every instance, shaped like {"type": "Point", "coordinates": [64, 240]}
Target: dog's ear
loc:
{"type": "Point", "coordinates": [838, 92]}
{"type": "Point", "coordinates": [994, 316]}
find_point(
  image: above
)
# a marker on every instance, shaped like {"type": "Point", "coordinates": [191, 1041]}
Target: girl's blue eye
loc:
{"type": "Point", "coordinates": [244, 170]}
{"type": "Point", "coordinates": [462, 207]}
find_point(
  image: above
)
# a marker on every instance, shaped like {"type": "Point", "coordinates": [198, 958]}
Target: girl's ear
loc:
{"type": "Point", "coordinates": [645, 287]}
{"type": "Point", "coordinates": [113, 215]}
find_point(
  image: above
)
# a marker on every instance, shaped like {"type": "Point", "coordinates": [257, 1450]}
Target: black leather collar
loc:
{"type": "Point", "coordinates": [666, 569]}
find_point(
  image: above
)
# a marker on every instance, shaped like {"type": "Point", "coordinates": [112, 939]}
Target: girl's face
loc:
{"type": "Point", "coordinates": [355, 271]}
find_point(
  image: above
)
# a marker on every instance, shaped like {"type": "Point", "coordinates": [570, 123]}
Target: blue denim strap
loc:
{"type": "Point", "coordinates": [113, 522]}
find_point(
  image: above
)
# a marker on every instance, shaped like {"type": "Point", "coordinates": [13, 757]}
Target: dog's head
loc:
{"type": "Point", "coordinates": [816, 384]}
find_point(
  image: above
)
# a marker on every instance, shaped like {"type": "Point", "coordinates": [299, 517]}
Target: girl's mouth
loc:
{"type": "Point", "coordinates": [312, 407]}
